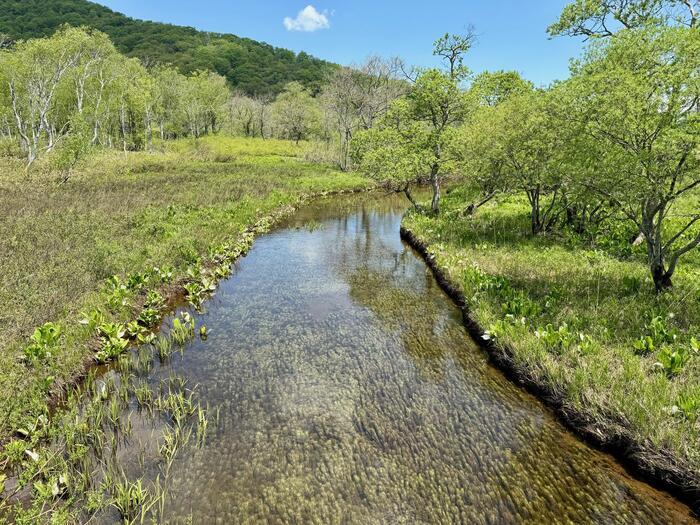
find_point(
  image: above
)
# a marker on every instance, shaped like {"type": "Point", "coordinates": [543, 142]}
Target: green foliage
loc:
{"type": "Point", "coordinates": [73, 148]}
{"type": "Point", "coordinates": [658, 335]}
{"type": "Point", "coordinates": [395, 154]}
{"type": "Point", "coordinates": [520, 306]}
{"type": "Point", "coordinates": [182, 329]}
{"type": "Point", "coordinates": [556, 339]}
{"type": "Point", "coordinates": [640, 87]}
{"type": "Point", "coordinates": [492, 88]}
{"type": "Point", "coordinates": [129, 499]}
{"type": "Point", "coordinates": [515, 146]}
{"type": "Point", "coordinates": [296, 113]}
{"type": "Point", "coordinates": [113, 340]}
{"type": "Point", "coordinates": [416, 139]}
{"type": "Point", "coordinates": [602, 18]}
{"type": "Point", "coordinates": [111, 347]}
{"type": "Point", "coordinates": [689, 405]}
{"type": "Point", "coordinates": [672, 359]}
{"type": "Point", "coordinates": [43, 340]}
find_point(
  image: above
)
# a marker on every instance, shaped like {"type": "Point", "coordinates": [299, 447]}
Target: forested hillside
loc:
{"type": "Point", "coordinates": [253, 67]}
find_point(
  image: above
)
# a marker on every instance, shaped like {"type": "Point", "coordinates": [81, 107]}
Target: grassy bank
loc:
{"type": "Point", "coordinates": [146, 218]}
{"type": "Point", "coordinates": [583, 325]}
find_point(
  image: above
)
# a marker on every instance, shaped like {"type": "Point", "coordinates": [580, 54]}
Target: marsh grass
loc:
{"type": "Point", "coordinates": [582, 318]}
{"type": "Point", "coordinates": [145, 218]}
{"type": "Point", "coordinates": [69, 468]}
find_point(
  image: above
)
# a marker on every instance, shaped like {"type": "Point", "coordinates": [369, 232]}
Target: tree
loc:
{"type": "Point", "coordinates": [483, 168]}
{"type": "Point", "coordinates": [243, 114]}
{"type": "Point", "coordinates": [296, 112]}
{"type": "Point", "coordinates": [432, 109]}
{"type": "Point", "coordinates": [130, 97]}
{"type": "Point", "coordinates": [452, 48]}
{"type": "Point", "coordinates": [204, 99]}
{"type": "Point", "coordinates": [168, 94]}
{"type": "Point", "coordinates": [396, 152]}
{"type": "Point", "coordinates": [516, 146]}
{"type": "Point", "coordinates": [32, 72]}
{"type": "Point", "coordinates": [437, 102]}
{"type": "Point", "coordinates": [492, 88]}
{"type": "Point", "coordinates": [603, 18]}
{"type": "Point", "coordinates": [638, 99]}
{"type": "Point", "coordinates": [356, 97]}
{"type": "Point", "coordinates": [339, 98]}
{"type": "Point", "coordinates": [213, 92]}
{"type": "Point", "coordinates": [73, 147]}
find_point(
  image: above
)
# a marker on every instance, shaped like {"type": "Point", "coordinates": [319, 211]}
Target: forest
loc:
{"type": "Point", "coordinates": [254, 68]}
{"type": "Point", "coordinates": [139, 160]}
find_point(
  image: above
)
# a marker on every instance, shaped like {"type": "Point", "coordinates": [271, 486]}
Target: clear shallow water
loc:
{"type": "Point", "coordinates": [349, 392]}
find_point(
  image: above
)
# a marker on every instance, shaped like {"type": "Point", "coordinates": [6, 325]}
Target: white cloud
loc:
{"type": "Point", "coordinates": [307, 20]}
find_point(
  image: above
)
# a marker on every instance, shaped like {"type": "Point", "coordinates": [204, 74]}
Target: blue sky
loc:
{"type": "Point", "coordinates": [510, 36]}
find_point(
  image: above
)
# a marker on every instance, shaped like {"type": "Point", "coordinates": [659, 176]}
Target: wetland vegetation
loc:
{"type": "Point", "coordinates": [160, 364]}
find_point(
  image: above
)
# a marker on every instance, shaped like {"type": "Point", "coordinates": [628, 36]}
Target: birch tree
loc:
{"type": "Point", "coordinates": [32, 73]}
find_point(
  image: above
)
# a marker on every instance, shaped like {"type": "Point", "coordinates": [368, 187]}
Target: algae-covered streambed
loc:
{"type": "Point", "coordinates": [347, 391]}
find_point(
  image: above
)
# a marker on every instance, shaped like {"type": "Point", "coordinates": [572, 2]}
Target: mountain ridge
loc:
{"type": "Point", "coordinates": [254, 67]}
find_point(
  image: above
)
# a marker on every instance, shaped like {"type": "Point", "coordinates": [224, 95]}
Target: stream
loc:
{"type": "Point", "coordinates": [348, 391]}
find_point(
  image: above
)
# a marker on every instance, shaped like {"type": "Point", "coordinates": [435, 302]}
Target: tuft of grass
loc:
{"type": "Point", "coordinates": [582, 318]}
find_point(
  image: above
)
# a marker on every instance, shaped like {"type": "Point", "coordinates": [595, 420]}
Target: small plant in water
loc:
{"type": "Point", "coordinates": [182, 329]}
{"type": "Point", "coordinates": [130, 499]}
{"type": "Point", "coordinates": [163, 346]}
{"type": "Point", "coordinates": [149, 316]}
{"type": "Point", "coordinates": [194, 293]}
